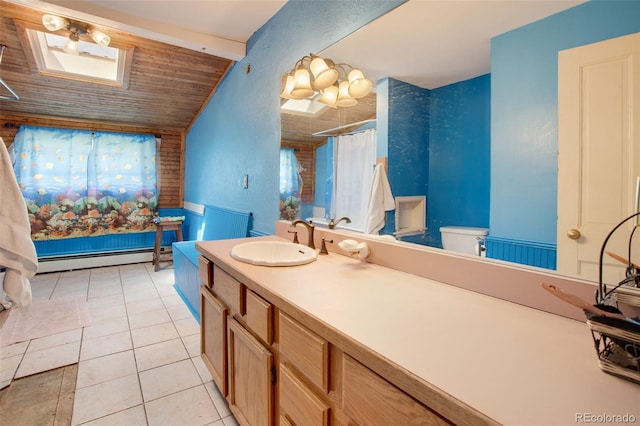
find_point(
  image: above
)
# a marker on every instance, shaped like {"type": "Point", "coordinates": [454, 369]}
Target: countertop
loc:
{"type": "Point", "coordinates": [514, 364]}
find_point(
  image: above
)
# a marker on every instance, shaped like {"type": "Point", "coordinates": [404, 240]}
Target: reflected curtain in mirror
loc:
{"type": "Point", "coordinates": [80, 183]}
{"type": "Point", "coordinates": [354, 160]}
{"type": "Point", "coordinates": [290, 184]}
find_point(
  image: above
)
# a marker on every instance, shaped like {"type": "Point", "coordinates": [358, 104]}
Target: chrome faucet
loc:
{"type": "Point", "coordinates": [310, 228]}
{"type": "Point", "coordinates": [333, 224]}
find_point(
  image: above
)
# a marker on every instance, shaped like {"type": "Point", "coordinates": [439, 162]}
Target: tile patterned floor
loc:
{"type": "Point", "coordinates": [139, 359]}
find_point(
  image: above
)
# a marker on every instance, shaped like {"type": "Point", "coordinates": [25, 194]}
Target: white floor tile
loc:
{"type": "Point", "coordinates": [48, 359]}
{"type": "Point", "coordinates": [149, 318]}
{"type": "Point", "coordinates": [134, 416]}
{"type": "Point", "coordinates": [13, 350]}
{"type": "Point", "coordinates": [168, 379]}
{"type": "Point", "coordinates": [187, 326]}
{"type": "Point", "coordinates": [106, 368]}
{"type": "Point", "coordinates": [105, 312]}
{"type": "Point", "coordinates": [230, 421]}
{"type": "Point", "coordinates": [106, 301]}
{"type": "Point", "coordinates": [104, 289]}
{"type": "Point", "coordinates": [158, 354]}
{"type": "Point", "coordinates": [106, 327]}
{"type": "Point", "coordinates": [192, 343]}
{"type": "Point", "coordinates": [105, 345]}
{"type": "Point", "coordinates": [178, 312]}
{"type": "Point", "coordinates": [203, 371]}
{"type": "Point", "coordinates": [189, 407]}
{"type": "Point", "coordinates": [106, 398]}
{"type": "Point", "coordinates": [41, 290]}
{"type": "Point", "coordinates": [218, 400]}
{"type": "Point", "coordinates": [137, 306]}
{"type": "Point", "coordinates": [154, 334]}
{"type": "Point", "coordinates": [8, 367]}
{"type": "Point", "coordinates": [55, 340]}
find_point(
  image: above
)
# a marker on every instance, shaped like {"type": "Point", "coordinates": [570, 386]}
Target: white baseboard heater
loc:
{"type": "Point", "coordinates": [93, 260]}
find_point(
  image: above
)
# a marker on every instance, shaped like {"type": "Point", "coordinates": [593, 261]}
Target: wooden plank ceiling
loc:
{"type": "Point", "coordinates": [167, 85]}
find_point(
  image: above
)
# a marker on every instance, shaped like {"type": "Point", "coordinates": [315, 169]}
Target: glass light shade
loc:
{"type": "Point", "coordinates": [323, 75]}
{"type": "Point", "coordinates": [329, 96]}
{"type": "Point", "coordinates": [100, 38]}
{"type": "Point", "coordinates": [358, 85]}
{"type": "Point", "coordinates": [302, 84]}
{"type": "Point", "coordinates": [344, 99]}
{"type": "Point", "coordinates": [53, 23]}
{"type": "Point", "coordinates": [287, 87]}
{"type": "Point", "coordinates": [73, 46]}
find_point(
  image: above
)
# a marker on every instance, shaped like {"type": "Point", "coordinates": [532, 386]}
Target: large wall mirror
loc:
{"type": "Point", "coordinates": [489, 155]}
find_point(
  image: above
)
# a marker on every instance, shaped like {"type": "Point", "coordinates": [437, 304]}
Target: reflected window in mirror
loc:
{"type": "Point", "coordinates": [291, 185]}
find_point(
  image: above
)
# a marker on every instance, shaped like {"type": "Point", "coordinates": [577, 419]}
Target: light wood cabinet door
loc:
{"type": "Point", "coordinates": [251, 378]}
{"type": "Point", "coordinates": [370, 400]}
{"type": "Point", "coordinates": [213, 337]}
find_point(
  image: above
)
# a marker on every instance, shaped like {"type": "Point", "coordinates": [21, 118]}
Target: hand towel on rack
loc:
{"type": "Point", "coordinates": [380, 200]}
{"type": "Point", "coordinates": [17, 251]}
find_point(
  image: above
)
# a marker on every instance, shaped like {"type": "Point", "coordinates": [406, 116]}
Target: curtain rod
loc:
{"type": "Point", "coordinates": [344, 126]}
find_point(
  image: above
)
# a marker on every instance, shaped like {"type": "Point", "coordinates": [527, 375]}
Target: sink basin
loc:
{"type": "Point", "coordinates": [273, 253]}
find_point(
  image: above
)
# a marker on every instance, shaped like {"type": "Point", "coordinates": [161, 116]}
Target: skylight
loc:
{"type": "Point", "coordinates": [307, 107]}
{"type": "Point", "coordinates": [94, 63]}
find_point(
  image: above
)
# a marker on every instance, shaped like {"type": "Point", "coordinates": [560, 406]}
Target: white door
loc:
{"type": "Point", "coordinates": [598, 155]}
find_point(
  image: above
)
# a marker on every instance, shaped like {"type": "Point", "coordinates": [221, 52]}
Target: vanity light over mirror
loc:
{"type": "Point", "coordinates": [481, 161]}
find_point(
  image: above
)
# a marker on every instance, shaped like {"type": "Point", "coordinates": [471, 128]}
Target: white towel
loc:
{"type": "Point", "coordinates": [17, 252]}
{"type": "Point", "coordinates": [380, 200]}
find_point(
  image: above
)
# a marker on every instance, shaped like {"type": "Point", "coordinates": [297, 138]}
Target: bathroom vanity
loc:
{"type": "Point", "coordinates": [343, 341]}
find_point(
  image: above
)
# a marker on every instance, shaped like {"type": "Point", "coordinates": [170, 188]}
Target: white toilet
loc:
{"type": "Point", "coordinates": [464, 239]}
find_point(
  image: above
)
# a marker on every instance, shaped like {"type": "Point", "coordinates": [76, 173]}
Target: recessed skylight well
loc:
{"type": "Point", "coordinates": [93, 63]}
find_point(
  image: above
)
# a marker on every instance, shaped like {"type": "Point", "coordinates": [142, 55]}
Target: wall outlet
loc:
{"type": "Point", "coordinates": [245, 181]}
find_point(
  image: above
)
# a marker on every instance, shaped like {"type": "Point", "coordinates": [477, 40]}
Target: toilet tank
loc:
{"type": "Point", "coordinates": [464, 239]}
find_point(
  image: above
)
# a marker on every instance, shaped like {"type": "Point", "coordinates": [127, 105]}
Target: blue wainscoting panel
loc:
{"type": "Point", "coordinates": [529, 253]}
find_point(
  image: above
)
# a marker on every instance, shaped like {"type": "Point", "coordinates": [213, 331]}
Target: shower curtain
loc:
{"type": "Point", "coordinates": [354, 159]}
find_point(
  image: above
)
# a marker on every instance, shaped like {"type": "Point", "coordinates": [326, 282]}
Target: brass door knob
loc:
{"type": "Point", "coordinates": [573, 234]}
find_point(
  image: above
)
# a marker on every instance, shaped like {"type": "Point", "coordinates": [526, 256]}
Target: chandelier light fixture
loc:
{"type": "Point", "coordinates": [76, 30]}
{"type": "Point", "coordinates": [339, 85]}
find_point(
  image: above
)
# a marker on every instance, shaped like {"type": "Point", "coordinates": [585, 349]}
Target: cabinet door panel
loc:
{"type": "Point", "coordinates": [259, 316]}
{"type": "Point", "coordinates": [250, 377]}
{"type": "Point", "coordinates": [371, 400]}
{"type": "Point", "coordinates": [213, 337]}
{"type": "Point", "coordinates": [305, 350]}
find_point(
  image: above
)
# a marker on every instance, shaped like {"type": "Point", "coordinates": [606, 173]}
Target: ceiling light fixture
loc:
{"type": "Point", "coordinates": [339, 85]}
{"type": "Point", "coordinates": [76, 30]}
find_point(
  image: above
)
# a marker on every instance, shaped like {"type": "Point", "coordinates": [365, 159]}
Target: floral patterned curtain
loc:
{"type": "Point", "coordinates": [80, 183]}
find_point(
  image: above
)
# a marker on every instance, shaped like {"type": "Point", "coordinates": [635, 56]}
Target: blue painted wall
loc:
{"type": "Point", "coordinates": [407, 115]}
{"type": "Point", "coordinates": [238, 132]}
{"type": "Point", "coordinates": [524, 105]}
{"type": "Point", "coordinates": [460, 152]}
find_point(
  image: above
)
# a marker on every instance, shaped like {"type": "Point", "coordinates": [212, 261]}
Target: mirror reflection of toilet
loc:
{"type": "Point", "coordinates": [464, 239]}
